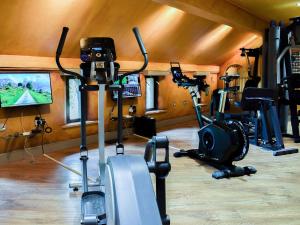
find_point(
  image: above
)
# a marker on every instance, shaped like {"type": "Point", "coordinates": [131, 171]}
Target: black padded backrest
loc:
{"type": "Point", "coordinates": [293, 81]}
{"type": "Point", "coordinates": [251, 92]}
{"type": "Point", "coordinates": [252, 82]}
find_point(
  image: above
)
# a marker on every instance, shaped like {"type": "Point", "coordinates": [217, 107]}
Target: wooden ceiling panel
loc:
{"type": "Point", "coordinates": [33, 28]}
{"type": "Point", "coordinates": [270, 9]}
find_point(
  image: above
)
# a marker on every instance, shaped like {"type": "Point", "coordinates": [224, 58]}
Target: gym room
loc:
{"type": "Point", "coordinates": [150, 112]}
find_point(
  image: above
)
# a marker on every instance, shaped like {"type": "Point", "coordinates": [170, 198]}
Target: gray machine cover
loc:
{"type": "Point", "coordinates": [129, 194]}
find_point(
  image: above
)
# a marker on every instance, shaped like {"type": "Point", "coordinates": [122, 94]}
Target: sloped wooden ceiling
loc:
{"type": "Point", "coordinates": [33, 27]}
{"type": "Point", "coordinates": [270, 9]}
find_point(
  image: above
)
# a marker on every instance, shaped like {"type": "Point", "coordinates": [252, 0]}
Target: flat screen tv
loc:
{"type": "Point", "coordinates": [132, 87]}
{"type": "Point", "coordinates": [25, 88]}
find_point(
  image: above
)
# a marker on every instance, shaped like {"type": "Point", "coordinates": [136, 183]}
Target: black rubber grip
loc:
{"type": "Point", "coordinates": [62, 40]}
{"type": "Point", "coordinates": [139, 40]}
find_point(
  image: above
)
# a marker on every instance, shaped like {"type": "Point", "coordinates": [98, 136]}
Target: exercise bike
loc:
{"type": "Point", "coordinates": [220, 141]}
{"type": "Point", "coordinates": [125, 194]}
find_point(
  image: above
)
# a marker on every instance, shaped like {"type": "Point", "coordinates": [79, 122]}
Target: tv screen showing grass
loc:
{"type": "Point", "coordinates": [21, 89]}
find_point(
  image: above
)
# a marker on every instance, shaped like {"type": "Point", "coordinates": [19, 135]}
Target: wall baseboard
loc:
{"type": "Point", "coordinates": [20, 154]}
{"type": "Point", "coordinates": [169, 122]}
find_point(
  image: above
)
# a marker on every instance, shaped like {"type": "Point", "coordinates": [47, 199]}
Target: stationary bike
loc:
{"type": "Point", "coordinates": [220, 141]}
{"type": "Point", "coordinates": [125, 194]}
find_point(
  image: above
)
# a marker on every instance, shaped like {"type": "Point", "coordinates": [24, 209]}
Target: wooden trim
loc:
{"type": "Point", "coordinates": [155, 111]}
{"type": "Point", "coordinates": [156, 73]}
{"type": "Point", "coordinates": [199, 73]}
{"type": "Point", "coordinates": [18, 62]}
{"type": "Point", "coordinates": [169, 122]}
{"type": "Point", "coordinates": [77, 124]}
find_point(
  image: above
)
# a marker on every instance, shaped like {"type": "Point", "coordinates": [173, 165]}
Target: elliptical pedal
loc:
{"type": "Point", "coordinates": [92, 208]}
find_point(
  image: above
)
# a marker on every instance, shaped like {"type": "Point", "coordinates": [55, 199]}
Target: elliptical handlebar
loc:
{"type": "Point", "coordinates": [71, 73]}
{"type": "Point", "coordinates": [143, 51]}
{"type": "Point", "coordinates": [59, 51]}
{"type": "Point", "coordinates": [139, 40]}
{"type": "Point", "coordinates": [62, 41]}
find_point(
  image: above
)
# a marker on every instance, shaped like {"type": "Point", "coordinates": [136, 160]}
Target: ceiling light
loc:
{"type": "Point", "coordinates": [212, 38]}
{"type": "Point", "coordinates": [298, 4]}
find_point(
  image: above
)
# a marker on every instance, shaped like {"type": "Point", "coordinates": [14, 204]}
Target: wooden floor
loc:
{"type": "Point", "coordinates": [37, 192]}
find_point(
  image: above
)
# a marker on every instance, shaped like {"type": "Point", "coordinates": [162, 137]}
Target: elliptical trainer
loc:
{"type": "Point", "coordinates": [220, 141]}
{"type": "Point", "coordinates": [125, 195]}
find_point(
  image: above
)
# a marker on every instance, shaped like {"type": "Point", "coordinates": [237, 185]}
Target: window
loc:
{"type": "Point", "coordinates": [151, 93]}
{"type": "Point", "coordinates": [72, 100]}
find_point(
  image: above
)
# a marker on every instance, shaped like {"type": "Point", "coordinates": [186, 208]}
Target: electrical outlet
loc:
{"type": "Point", "coordinates": [27, 133]}
{"type": "Point", "coordinates": [2, 127]}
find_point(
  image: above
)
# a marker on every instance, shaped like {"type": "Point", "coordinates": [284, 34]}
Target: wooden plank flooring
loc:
{"type": "Point", "coordinates": [37, 193]}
